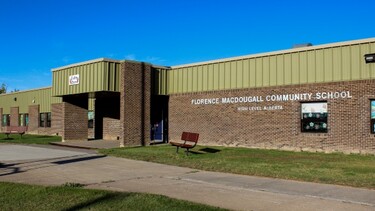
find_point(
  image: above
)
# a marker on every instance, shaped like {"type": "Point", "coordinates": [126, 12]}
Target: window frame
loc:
{"type": "Point", "coordinates": [372, 117]}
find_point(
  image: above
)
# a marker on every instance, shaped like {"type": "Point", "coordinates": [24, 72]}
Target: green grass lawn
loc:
{"type": "Point", "coordinates": [29, 139]}
{"type": "Point", "coordinates": [336, 168]}
{"type": "Point", "coordinates": [31, 197]}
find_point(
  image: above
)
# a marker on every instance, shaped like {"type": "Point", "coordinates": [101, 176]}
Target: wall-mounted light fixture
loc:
{"type": "Point", "coordinates": [370, 58]}
{"type": "Point", "coordinates": [15, 99]}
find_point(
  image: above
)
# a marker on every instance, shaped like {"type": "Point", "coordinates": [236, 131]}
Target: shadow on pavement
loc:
{"type": "Point", "coordinates": [60, 162]}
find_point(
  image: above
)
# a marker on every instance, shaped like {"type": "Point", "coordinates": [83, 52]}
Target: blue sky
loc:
{"type": "Point", "coordinates": [38, 35]}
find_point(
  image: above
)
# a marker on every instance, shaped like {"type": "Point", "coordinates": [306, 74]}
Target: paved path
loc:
{"type": "Point", "coordinates": [230, 191]}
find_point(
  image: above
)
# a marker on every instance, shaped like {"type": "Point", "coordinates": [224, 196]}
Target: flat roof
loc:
{"type": "Point", "coordinates": [28, 90]}
{"type": "Point", "coordinates": [293, 50]}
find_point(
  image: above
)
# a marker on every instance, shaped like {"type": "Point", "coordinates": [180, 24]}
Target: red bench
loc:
{"type": "Point", "coordinates": [188, 141]}
{"type": "Point", "coordinates": [15, 130]}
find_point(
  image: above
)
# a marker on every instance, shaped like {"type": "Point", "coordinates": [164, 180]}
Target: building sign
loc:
{"type": "Point", "coordinates": [273, 98]}
{"type": "Point", "coordinates": [74, 79]}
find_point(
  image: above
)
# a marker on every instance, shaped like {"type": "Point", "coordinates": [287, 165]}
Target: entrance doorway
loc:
{"type": "Point", "coordinates": [159, 119]}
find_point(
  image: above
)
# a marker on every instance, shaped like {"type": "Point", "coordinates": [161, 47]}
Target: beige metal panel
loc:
{"type": "Point", "coordinates": [246, 73]}
{"type": "Point", "coordinates": [266, 71]}
{"type": "Point", "coordinates": [328, 65]}
{"type": "Point", "coordinates": [273, 71]}
{"type": "Point", "coordinates": [22, 100]}
{"type": "Point", "coordinates": [189, 83]}
{"type": "Point", "coordinates": [253, 71]}
{"type": "Point", "coordinates": [346, 63]}
{"type": "Point", "coordinates": [280, 80]}
{"type": "Point", "coordinates": [221, 76]}
{"type": "Point", "coordinates": [227, 76]}
{"type": "Point", "coordinates": [287, 69]}
{"type": "Point", "coordinates": [239, 74]}
{"type": "Point", "coordinates": [295, 68]}
{"type": "Point", "coordinates": [365, 70]}
{"type": "Point", "coordinates": [185, 81]}
{"type": "Point", "coordinates": [319, 66]}
{"type": "Point", "coordinates": [337, 64]}
{"type": "Point", "coordinates": [204, 78]}
{"type": "Point", "coordinates": [195, 79]}
{"type": "Point", "coordinates": [355, 62]}
{"type": "Point", "coordinates": [311, 67]}
{"type": "Point", "coordinates": [180, 81]}
{"type": "Point", "coordinates": [372, 65]}
{"type": "Point", "coordinates": [259, 72]}
{"type": "Point", "coordinates": [93, 77]}
{"type": "Point", "coordinates": [303, 67]}
{"type": "Point", "coordinates": [216, 76]}
{"type": "Point", "coordinates": [210, 77]}
{"type": "Point", "coordinates": [200, 78]}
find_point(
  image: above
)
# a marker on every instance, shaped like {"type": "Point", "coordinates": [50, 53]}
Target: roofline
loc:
{"type": "Point", "coordinates": [309, 48]}
{"type": "Point", "coordinates": [29, 90]}
{"type": "Point", "coordinates": [84, 63]}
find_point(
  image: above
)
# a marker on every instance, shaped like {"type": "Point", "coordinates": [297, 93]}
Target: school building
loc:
{"type": "Point", "coordinates": [311, 98]}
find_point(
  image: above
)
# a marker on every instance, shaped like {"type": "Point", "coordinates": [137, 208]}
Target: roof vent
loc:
{"type": "Point", "coordinates": [302, 45]}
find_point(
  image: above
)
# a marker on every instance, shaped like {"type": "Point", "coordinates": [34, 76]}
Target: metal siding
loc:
{"type": "Point", "coordinates": [346, 60]}
{"type": "Point", "coordinates": [328, 65]}
{"type": "Point", "coordinates": [199, 79]}
{"type": "Point", "coordinates": [273, 71]}
{"type": "Point", "coordinates": [210, 77]}
{"type": "Point", "coordinates": [246, 73]}
{"type": "Point", "coordinates": [287, 69]}
{"type": "Point", "coordinates": [356, 62]}
{"type": "Point", "coordinates": [319, 66]}
{"type": "Point", "coordinates": [216, 77]}
{"type": "Point", "coordinates": [338, 63]}
{"type": "Point", "coordinates": [259, 72]}
{"type": "Point", "coordinates": [303, 67]}
{"type": "Point", "coordinates": [41, 97]}
{"type": "Point", "coordinates": [221, 76]}
{"type": "Point", "coordinates": [253, 70]}
{"type": "Point", "coordinates": [279, 69]}
{"type": "Point", "coordinates": [295, 68]}
{"type": "Point", "coordinates": [311, 67]}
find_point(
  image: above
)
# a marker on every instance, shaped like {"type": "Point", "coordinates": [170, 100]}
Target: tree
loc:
{"type": "Point", "coordinates": [3, 89]}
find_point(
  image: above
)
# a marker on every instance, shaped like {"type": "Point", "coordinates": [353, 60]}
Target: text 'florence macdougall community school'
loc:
{"type": "Point", "coordinates": [312, 98]}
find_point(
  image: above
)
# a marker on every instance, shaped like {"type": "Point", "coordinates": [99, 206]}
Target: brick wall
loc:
{"type": "Point", "coordinates": [224, 124]}
{"type": "Point", "coordinates": [1, 119]}
{"type": "Point", "coordinates": [74, 110]}
{"type": "Point", "coordinates": [14, 116]}
{"type": "Point", "coordinates": [107, 109]}
{"type": "Point", "coordinates": [135, 89]}
{"type": "Point", "coordinates": [33, 119]}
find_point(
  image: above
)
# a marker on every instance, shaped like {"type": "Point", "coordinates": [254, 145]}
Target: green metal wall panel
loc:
{"type": "Point", "coordinates": [22, 100]}
{"type": "Point", "coordinates": [318, 65]}
{"type": "Point", "coordinates": [93, 77]}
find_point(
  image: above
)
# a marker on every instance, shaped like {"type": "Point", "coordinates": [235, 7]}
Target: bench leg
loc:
{"type": "Point", "coordinates": [177, 149]}
{"type": "Point", "coordinates": [187, 151]}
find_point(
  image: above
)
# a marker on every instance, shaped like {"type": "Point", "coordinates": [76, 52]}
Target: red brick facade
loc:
{"type": "Point", "coordinates": [33, 119]}
{"type": "Point", "coordinates": [135, 97]}
{"type": "Point", "coordinates": [74, 110]}
{"type": "Point", "coordinates": [225, 124]}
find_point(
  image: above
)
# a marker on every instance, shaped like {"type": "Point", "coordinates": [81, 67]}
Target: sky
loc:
{"type": "Point", "coordinates": [38, 35]}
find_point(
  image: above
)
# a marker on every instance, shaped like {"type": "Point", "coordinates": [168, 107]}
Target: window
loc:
{"type": "Point", "coordinates": [42, 119]}
{"type": "Point", "coordinates": [23, 120]}
{"type": "Point", "coordinates": [372, 116]}
{"type": "Point", "coordinates": [314, 117]}
{"type": "Point", "coordinates": [6, 120]}
{"type": "Point", "coordinates": [45, 119]}
{"type": "Point", "coordinates": [90, 116]}
{"type": "Point", "coordinates": [48, 119]}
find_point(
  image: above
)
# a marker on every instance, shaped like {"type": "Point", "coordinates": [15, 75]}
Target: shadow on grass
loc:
{"type": "Point", "coordinates": [210, 150]}
{"type": "Point", "coordinates": [99, 200]}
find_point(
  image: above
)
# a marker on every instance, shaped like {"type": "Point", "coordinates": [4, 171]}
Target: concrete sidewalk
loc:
{"type": "Point", "coordinates": [230, 191]}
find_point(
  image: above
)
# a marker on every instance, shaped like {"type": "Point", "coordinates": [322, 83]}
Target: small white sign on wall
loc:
{"type": "Point", "coordinates": [74, 79]}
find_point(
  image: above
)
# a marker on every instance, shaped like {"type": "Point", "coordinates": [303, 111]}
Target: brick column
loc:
{"type": "Point", "coordinates": [135, 88]}
{"type": "Point", "coordinates": [75, 117]}
{"type": "Point", "coordinates": [1, 119]}
{"type": "Point", "coordinates": [14, 116]}
{"type": "Point", "coordinates": [57, 120]}
{"type": "Point", "coordinates": [33, 119]}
